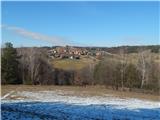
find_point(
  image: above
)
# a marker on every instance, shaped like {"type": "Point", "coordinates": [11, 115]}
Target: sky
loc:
{"type": "Point", "coordinates": [80, 23]}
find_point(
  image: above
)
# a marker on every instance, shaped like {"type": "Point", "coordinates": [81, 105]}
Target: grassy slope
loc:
{"type": "Point", "coordinates": [68, 64]}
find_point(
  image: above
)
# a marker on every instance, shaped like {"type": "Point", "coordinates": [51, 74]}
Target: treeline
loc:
{"type": "Point", "coordinates": [128, 76]}
{"type": "Point", "coordinates": [128, 49]}
{"type": "Point", "coordinates": [115, 50]}
{"type": "Point", "coordinates": [133, 49]}
{"type": "Point", "coordinates": [32, 66]}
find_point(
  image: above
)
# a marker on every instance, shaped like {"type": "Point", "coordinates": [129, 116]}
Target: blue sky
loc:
{"type": "Point", "coordinates": [80, 23]}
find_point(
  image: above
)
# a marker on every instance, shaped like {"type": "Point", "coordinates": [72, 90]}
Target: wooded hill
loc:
{"type": "Point", "coordinates": [128, 49]}
{"type": "Point", "coordinates": [126, 68]}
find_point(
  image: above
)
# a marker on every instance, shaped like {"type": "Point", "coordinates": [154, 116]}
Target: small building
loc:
{"type": "Point", "coordinates": [77, 57]}
{"type": "Point", "coordinates": [71, 57]}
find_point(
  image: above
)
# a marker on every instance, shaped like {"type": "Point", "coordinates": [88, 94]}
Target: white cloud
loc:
{"type": "Point", "coordinates": [55, 40]}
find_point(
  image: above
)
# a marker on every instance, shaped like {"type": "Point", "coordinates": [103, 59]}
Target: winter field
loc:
{"type": "Point", "coordinates": [76, 103]}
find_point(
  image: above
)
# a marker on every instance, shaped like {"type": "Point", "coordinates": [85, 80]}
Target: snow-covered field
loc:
{"type": "Point", "coordinates": [64, 105]}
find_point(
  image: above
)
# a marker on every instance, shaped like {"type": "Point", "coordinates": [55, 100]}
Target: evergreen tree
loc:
{"type": "Point", "coordinates": [9, 64]}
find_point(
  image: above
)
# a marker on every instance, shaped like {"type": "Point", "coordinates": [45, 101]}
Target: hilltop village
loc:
{"type": "Point", "coordinates": [69, 52]}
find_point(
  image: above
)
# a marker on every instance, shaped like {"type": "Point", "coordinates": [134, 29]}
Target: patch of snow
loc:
{"type": "Point", "coordinates": [58, 105]}
{"type": "Point", "coordinates": [59, 96]}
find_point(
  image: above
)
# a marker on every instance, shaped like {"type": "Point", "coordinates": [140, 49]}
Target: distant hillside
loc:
{"type": "Point", "coordinates": [128, 49]}
{"type": "Point", "coordinates": [115, 50]}
{"type": "Point", "coordinates": [134, 49]}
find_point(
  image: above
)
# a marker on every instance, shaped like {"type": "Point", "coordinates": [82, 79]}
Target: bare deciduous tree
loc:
{"type": "Point", "coordinates": [143, 61]}
{"type": "Point", "coordinates": [123, 59]}
{"type": "Point", "coordinates": [34, 65]}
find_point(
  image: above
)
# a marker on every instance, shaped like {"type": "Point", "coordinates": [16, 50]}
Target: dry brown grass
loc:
{"type": "Point", "coordinates": [79, 91]}
{"type": "Point", "coordinates": [68, 64]}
